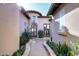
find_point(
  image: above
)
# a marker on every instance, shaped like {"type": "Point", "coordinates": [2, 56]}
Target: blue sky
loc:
{"type": "Point", "coordinates": [41, 7]}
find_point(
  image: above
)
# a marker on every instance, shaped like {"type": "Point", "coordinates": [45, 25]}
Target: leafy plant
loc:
{"type": "Point", "coordinates": [19, 52]}
{"type": "Point", "coordinates": [24, 38]}
{"type": "Point", "coordinates": [71, 53]}
{"type": "Point", "coordinates": [61, 49]}
{"type": "Point", "coordinates": [77, 46]}
{"type": "Point", "coordinates": [5, 55]}
{"type": "Point", "coordinates": [53, 46]}
{"type": "Point", "coordinates": [41, 33]}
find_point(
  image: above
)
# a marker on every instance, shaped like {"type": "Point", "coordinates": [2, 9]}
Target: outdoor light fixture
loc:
{"type": "Point", "coordinates": [51, 16]}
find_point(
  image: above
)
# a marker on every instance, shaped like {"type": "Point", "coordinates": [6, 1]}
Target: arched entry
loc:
{"type": "Point", "coordinates": [34, 29]}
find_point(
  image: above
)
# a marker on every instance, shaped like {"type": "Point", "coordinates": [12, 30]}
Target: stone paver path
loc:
{"type": "Point", "coordinates": [37, 48]}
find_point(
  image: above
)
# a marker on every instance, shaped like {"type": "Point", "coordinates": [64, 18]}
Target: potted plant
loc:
{"type": "Point", "coordinates": [40, 33]}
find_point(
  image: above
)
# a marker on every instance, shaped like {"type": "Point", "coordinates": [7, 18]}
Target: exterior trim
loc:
{"type": "Point", "coordinates": [43, 17]}
{"type": "Point", "coordinates": [33, 11]}
{"type": "Point", "coordinates": [24, 13]}
{"type": "Point", "coordinates": [54, 7]}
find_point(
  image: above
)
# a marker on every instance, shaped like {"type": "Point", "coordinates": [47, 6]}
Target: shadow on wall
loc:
{"type": "Point", "coordinates": [69, 7]}
{"type": "Point", "coordinates": [69, 38]}
{"type": "Point", "coordinates": [55, 28]}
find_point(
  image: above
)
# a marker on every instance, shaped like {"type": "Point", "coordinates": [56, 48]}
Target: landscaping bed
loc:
{"type": "Point", "coordinates": [61, 49]}
{"type": "Point", "coordinates": [48, 49]}
{"type": "Point", "coordinates": [28, 46]}
{"type": "Point", "coordinates": [24, 39]}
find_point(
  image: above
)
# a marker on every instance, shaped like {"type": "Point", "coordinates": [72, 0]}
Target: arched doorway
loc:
{"type": "Point", "coordinates": [34, 29]}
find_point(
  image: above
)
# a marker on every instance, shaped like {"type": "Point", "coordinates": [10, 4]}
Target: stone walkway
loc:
{"type": "Point", "coordinates": [37, 48]}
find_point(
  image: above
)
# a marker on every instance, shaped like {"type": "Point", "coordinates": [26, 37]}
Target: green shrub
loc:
{"type": "Point", "coordinates": [61, 49]}
{"type": "Point", "coordinates": [40, 33]}
{"type": "Point", "coordinates": [5, 55]}
{"type": "Point", "coordinates": [77, 46]}
{"type": "Point", "coordinates": [53, 46]}
{"type": "Point", "coordinates": [19, 52]}
{"type": "Point", "coordinates": [71, 53]}
{"type": "Point", "coordinates": [24, 38]}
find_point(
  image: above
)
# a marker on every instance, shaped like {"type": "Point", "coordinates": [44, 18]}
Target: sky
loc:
{"type": "Point", "coordinates": [40, 7]}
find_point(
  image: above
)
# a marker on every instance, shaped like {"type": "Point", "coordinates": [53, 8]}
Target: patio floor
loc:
{"type": "Point", "coordinates": [37, 48]}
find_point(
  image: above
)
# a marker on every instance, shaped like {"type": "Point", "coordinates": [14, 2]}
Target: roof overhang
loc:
{"type": "Point", "coordinates": [54, 7]}
{"type": "Point", "coordinates": [43, 17]}
{"type": "Point", "coordinates": [33, 11]}
{"type": "Point", "coordinates": [48, 17]}
{"type": "Point", "coordinates": [24, 13]}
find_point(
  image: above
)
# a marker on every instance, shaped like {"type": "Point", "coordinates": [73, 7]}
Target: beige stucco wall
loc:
{"type": "Point", "coordinates": [9, 28]}
{"type": "Point", "coordinates": [23, 20]}
{"type": "Point", "coordinates": [71, 22]}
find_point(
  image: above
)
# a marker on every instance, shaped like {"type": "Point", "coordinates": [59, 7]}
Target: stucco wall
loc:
{"type": "Point", "coordinates": [9, 28]}
{"type": "Point", "coordinates": [23, 23]}
{"type": "Point", "coordinates": [71, 22]}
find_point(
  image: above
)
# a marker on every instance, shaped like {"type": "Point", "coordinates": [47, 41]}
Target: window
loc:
{"type": "Point", "coordinates": [46, 29]}
{"type": "Point", "coordinates": [44, 25]}
{"type": "Point", "coordinates": [33, 18]}
{"type": "Point", "coordinates": [47, 26]}
{"type": "Point", "coordinates": [32, 29]}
